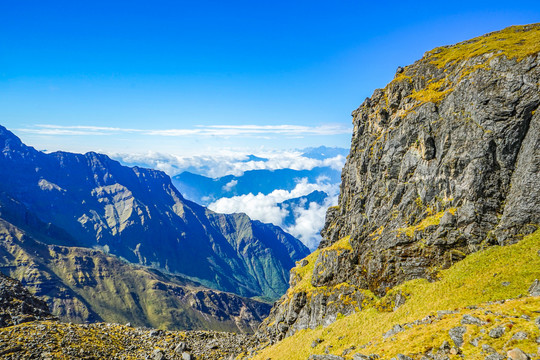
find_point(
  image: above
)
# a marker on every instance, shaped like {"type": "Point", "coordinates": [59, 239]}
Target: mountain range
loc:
{"type": "Point", "coordinates": [432, 253]}
{"type": "Point", "coordinates": [137, 215]}
{"type": "Point", "coordinates": [205, 190]}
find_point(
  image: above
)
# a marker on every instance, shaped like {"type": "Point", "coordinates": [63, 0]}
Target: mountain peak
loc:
{"type": "Point", "coordinates": [9, 140]}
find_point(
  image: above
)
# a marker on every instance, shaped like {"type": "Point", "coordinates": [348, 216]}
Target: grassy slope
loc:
{"type": "Point", "coordinates": [92, 281]}
{"type": "Point", "coordinates": [515, 42]}
{"type": "Point", "coordinates": [480, 278]}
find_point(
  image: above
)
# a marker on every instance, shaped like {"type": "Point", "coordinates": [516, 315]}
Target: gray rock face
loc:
{"type": "Point", "coordinates": [444, 161]}
{"type": "Point", "coordinates": [448, 173]}
{"type": "Point", "coordinates": [307, 311]}
{"type": "Point", "coordinates": [456, 334]}
{"type": "Point", "coordinates": [497, 332]}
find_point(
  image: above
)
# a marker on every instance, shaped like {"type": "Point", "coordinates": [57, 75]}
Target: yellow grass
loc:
{"type": "Point", "coordinates": [493, 274]}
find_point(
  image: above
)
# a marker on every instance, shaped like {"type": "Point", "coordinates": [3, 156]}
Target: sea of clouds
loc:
{"type": "Point", "coordinates": [227, 162]}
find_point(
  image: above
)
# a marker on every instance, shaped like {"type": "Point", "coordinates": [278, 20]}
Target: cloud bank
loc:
{"type": "Point", "coordinates": [308, 222]}
{"type": "Point", "coordinates": [228, 163]}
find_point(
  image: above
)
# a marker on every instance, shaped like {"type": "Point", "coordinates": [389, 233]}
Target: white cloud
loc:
{"type": "Point", "coordinates": [230, 185]}
{"type": "Point", "coordinates": [75, 130]}
{"type": "Point", "coordinates": [309, 222]}
{"type": "Point", "coordinates": [228, 163]}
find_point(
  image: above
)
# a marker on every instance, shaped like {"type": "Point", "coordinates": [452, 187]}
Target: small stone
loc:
{"type": "Point", "coordinates": [505, 283]}
{"type": "Point", "coordinates": [186, 356]}
{"type": "Point", "coordinates": [181, 347]}
{"type": "Point", "coordinates": [403, 357]}
{"type": "Point", "coordinates": [399, 300]}
{"type": "Point", "coordinates": [359, 356]}
{"type": "Point", "coordinates": [521, 335]}
{"type": "Point", "coordinates": [488, 349]}
{"type": "Point", "coordinates": [441, 313]}
{"type": "Point", "coordinates": [475, 341]}
{"type": "Point", "coordinates": [456, 334]}
{"type": "Point", "coordinates": [537, 322]}
{"type": "Point", "coordinates": [395, 329]}
{"type": "Point", "coordinates": [454, 351]}
{"type": "Point", "coordinates": [445, 346]}
{"type": "Point", "coordinates": [155, 333]}
{"type": "Point", "coordinates": [495, 356]}
{"type": "Point", "coordinates": [471, 320]}
{"type": "Point", "coordinates": [517, 354]}
{"type": "Point", "coordinates": [534, 289]}
{"type": "Point", "coordinates": [325, 357]}
{"type": "Point", "coordinates": [157, 354]}
{"type": "Point", "coordinates": [497, 332]}
{"type": "Point", "coordinates": [304, 262]}
{"type": "Point", "coordinates": [128, 324]}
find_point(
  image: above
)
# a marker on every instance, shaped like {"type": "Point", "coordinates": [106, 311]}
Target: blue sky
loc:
{"type": "Point", "coordinates": [189, 77]}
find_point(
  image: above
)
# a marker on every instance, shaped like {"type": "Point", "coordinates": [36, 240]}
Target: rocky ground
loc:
{"type": "Point", "coordinates": [17, 305]}
{"type": "Point", "coordinates": [29, 331]}
{"type": "Point", "coordinates": [55, 340]}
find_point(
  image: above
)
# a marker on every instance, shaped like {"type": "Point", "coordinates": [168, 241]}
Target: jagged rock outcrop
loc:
{"type": "Point", "coordinates": [18, 306]}
{"type": "Point", "coordinates": [444, 162]}
{"type": "Point", "coordinates": [135, 213]}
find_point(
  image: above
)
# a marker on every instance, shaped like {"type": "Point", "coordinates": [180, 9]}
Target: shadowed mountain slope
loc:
{"type": "Point", "coordinates": [137, 214]}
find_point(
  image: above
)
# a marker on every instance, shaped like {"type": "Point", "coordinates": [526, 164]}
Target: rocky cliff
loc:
{"type": "Point", "coordinates": [444, 162]}
{"type": "Point", "coordinates": [135, 213]}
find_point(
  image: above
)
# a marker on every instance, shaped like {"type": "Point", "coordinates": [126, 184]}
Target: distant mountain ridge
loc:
{"type": "Point", "coordinates": [302, 202]}
{"type": "Point", "coordinates": [137, 214]}
{"type": "Point", "coordinates": [205, 190]}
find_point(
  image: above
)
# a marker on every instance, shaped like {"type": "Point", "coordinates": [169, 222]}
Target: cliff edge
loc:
{"type": "Point", "coordinates": [444, 162]}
